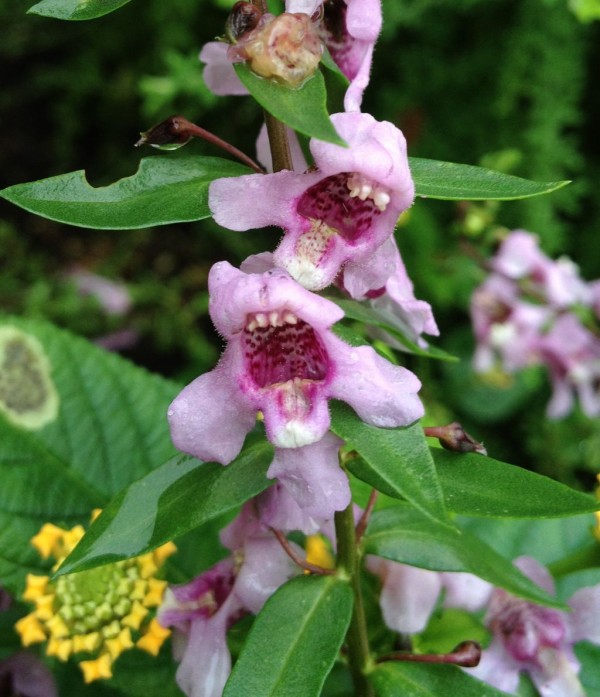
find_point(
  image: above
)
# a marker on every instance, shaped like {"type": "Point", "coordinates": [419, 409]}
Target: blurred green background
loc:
{"type": "Point", "coordinates": [509, 84]}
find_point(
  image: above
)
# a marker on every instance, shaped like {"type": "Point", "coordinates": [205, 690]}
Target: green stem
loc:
{"type": "Point", "coordinates": [359, 657]}
{"type": "Point", "coordinates": [279, 143]}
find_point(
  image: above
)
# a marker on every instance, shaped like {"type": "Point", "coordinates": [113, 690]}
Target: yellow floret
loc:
{"type": "Point", "coordinates": [135, 618]}
{"type": "Point", "coordinates": [30, 630]}
{"type": "Point", "coordinates": [86, 642]}
{"type": "Point", "coordinates": [154, 638]}
{"type": "Point", "coordinates": [97, 668]}
{"type": "Point", "coordinates": [161, 553]}
{"type": "Point", "coordinates": [61, 648]}
{"type": "Point", "coordinates": [44, 607]}
{"type": "Point", "coordinates": [156, 590]}
{"type": "Point", "coordinates": [36, 587]}
{"type": "Point", "coordinates": [48, 541]}
{"type": "Point", "coordinates": [318, 553]}
{"type": "Point", "coordinates": [119, 644]}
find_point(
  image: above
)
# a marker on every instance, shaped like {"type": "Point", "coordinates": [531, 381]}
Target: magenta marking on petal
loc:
{"type": "Point", "coordinates": [279, 347]}
{"type": "Point", "coordinates": [525, 628]}
{"type": "Point", "coordinates": [339, 42]}
{"type": "Point", "coordinates": [335, 202]}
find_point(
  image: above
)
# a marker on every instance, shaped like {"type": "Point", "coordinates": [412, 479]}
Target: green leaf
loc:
{"type": "Point", "coordinates": [163, 190]}
{"type": "Point", "coordinates": [549, 541]}
{"type": "Point", "coordinates": [303, 109]}
{"type": "Point", "coordinates": [376, 318]}
{"type": "Point", "coordinates": [392, 679]}
{"type": "Point", "coordinates": [294, 641]}
{"type": "Point", "coordinates": [476, 485]}
{"type": "Point", "coordinates": [396, 461]}
{"type": "Point", "coordinates": [107, 429]}
{"type": "Point", "coordinates": [173, 499]}
{"type": "Point", "coordinates": [405, 535]}
{"type": "Point", "coordinates": [456, 182]}
{"type": "Point", "coordinates": [75, 9]}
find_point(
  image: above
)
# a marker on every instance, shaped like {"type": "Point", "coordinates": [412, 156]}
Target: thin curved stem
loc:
{"type": "Point", "coordinates": [302, 563]}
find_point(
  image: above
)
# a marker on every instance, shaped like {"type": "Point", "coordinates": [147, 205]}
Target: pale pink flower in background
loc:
{"type": "Point", "coordinates": [282, 359]}
{"type": "Point", "coordinates": [507, 329]}
{"type": "Point", "coordinates": [338, 214]}
{"type": "Point", "coordinates": [558, 283]}
{"type": "Point", "coordinates": [112, 296]}
{"type": "Point", "coordinates": [536, 639]}
{"type": "Point", "coordinates": [572, 354]}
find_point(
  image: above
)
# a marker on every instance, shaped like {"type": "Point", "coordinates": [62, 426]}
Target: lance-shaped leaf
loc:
{"type": "Point", "coordinates": [476, 485]}
{"type": "Point", "coordinates": [405, 535]}
{"type": "Point", "coordinates": [294, 641]}
{"type": "Point", "coordinates": [177, 497]}
{"type": "Point", "coordinates": [396, 461]}
{"type": "Point", "coordinates": [303, 108]}
{"type": "Point", "coordinates": [75, 9]}
{"type": "Point", "coordinates": [163, 190]}
{"type": "Point", "coordinates": [456, 182]}
{"type": "Point", "coordinates": [101, 424]}
{"type": "Point", "coordinates": [374, 317]}
{"type": "Point", "coordinates": [418, 680]}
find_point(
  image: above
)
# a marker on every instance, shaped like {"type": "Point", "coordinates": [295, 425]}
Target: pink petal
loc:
{"type": "Point", "coordinates": [210, 417]}
{"type": "Point", "coordinates": [266, 567]}
{"type": "Point", "coordinates": [219, 75]}
{"type": "Point", "coordinates": [382, 394]}
{"type": "Point", "coordinates": [408, 595]}
{"type": "Point", "coordinates": [313, 477]}
{"type": "Point", "coordinates": [206, 662]}
{"type": "Point", "coordinates": [584, 622]}
{"type": "Point", "coordinates": [235, 294]}
{"type": "Point", "coordinates": [497, 668]}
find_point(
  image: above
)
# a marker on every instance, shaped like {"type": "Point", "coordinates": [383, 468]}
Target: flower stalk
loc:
{"type": "Point", "coordinates": [348, 561]}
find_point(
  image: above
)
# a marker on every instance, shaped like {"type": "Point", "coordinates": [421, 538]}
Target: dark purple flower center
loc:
{"type": "Point", "coordinates": [280, 347]}
{"type": "Point", "coordinates": [347, 203]}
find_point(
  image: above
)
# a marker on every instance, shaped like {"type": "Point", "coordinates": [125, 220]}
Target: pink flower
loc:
{"type": "Point", "coordinates": [202, 610]}
{"type": "Point", "coordinates": [350, 30]}
{"type": "Point", "coordinates": [391, 294]}
{"type": "Point", "coordinates": [572, 354]}
{"type": "Point", "coordinates": [340, 213]}
{"type": "Point", "coordinates": [556, 282]}
{"type": "Point", "coordinates": [507, 328]}
{"type": "Point", "coordinates": [537, 639]}
{"type": "Point", "coordinates": [282, 359]}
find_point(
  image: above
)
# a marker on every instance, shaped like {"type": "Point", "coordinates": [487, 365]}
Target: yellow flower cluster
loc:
{"type": "Point", "coordinates": [100, 612]}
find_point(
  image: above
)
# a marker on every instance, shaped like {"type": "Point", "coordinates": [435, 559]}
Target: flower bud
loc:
{"type": "Point", "coordinates": [244, 17]}
{"type": "Point", "coordinates": [286, 48]}
{"type": "Point", "coordinates": [454, 437]}
{"type": "Point", "coordinates": [170, 134]}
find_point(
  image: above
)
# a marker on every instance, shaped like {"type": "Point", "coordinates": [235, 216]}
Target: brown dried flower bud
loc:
{"type": "Point", "coordinates": [169, 134]}
{"type": "Point", "coordinates": [286, 48]}
{"type": "Point", "coordinates": [244, 17]}
{"type": "Point", "coordinates": [454, 437]}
